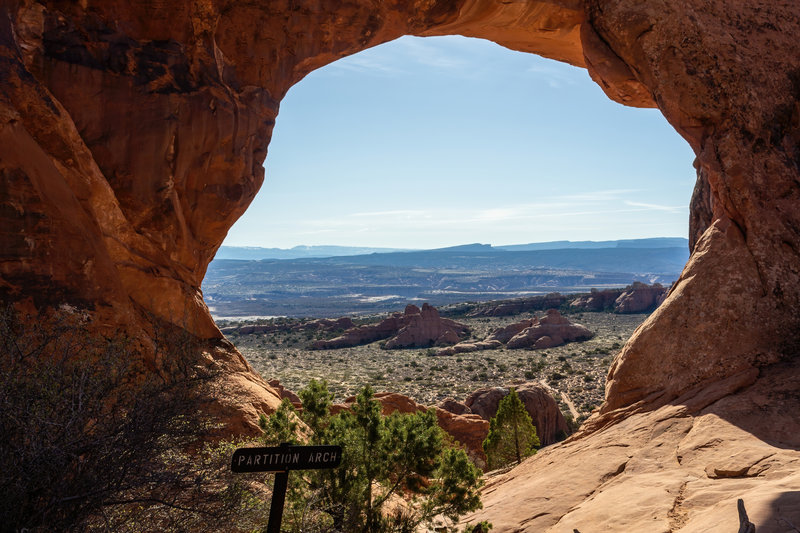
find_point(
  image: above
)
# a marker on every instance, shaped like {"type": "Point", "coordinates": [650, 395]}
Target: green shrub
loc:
{"type": "Point", "coordinates": [91, 439]}
{"type": "Point", "coordinates": [512, 435]}
{"type": "Point", "coordinates": [382, 458]}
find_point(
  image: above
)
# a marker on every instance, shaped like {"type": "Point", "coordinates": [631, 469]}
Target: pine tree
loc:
{"type": "Point", "coordinates": [384, 457]}
{"type": "Point", "coordinates": [512, 435]}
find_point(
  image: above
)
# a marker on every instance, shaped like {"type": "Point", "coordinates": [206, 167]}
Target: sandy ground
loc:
{"type": "Point", "coordinates": [577, 369]}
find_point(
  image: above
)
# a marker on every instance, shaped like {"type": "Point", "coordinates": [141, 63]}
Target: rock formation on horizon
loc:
{"type": "Point", "coordinates": [132, 136]}
{"type": "Point", "coordinates": [413, 328]}
{"type": "Point", "coordinates": [516, 306]}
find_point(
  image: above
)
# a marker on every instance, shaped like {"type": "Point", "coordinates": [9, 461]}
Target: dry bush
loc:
{"type": "Point", "coordinates": [92, 440]}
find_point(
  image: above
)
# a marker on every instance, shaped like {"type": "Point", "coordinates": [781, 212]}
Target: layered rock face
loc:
{"type": "Point", "coordinates": [132, 136]}
{"type": "Point", "coordinates": [679, 468]}
{"type": "Point", "coordinates": [553, 300]}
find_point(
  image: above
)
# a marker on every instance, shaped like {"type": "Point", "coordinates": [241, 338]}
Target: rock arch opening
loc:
{"type": "Point", "coordinates": [517, 172]}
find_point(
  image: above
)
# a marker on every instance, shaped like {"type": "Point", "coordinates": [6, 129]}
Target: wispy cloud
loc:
{"type": "Point", "coordinates": [367, 62]}
{"type": "Point", "coordinates": [432, 54]}
{"type": "Point", "coordinates": [406, 55]}
{"type": "Point", "coordinates": [393, 213]}
{"type": "Point", "coordinates": [559, 209]}
{"type": "Point", "coordinates": [657, 207]}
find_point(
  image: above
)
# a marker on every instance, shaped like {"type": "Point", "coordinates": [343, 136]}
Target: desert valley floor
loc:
{"type": "Point", "coordinates": [575, 371]}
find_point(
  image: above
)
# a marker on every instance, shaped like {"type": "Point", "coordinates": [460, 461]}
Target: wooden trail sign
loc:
{"type": "Point", "coordinates": [281, 459]}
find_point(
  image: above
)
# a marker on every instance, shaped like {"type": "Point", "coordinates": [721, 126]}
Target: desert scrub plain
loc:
{"type": "Point", "coordinates": [575, 372]}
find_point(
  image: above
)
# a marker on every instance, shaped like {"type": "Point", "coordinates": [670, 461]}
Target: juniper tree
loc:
{"type": "Point", "coordinates": [383, 458]}
{"type": "Point", "coordinates": [512, 435]}
{"type": "Point", "coordinates": [90, 439]}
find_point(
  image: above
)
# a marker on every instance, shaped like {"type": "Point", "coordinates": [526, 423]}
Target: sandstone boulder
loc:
{"type": "Point", "coordinates": [467, 347]}
{"type": "Point", "coordinates": [283, 392]}
{"type": "Point", "coordinates": [455, 407]}
{"type": "Point", "coordinates": [640, 298]}
{"type": "Point", "coordinates": [596, 300]}
{"type": "Point", "coordinates": [550, 423]}
{"type": "Point", "coordinates": [414, 328]}
{"type": "Point", "coordinates": [424, 327]}
{"type": "Point", "coordinates": [506, 333]}
{"type": "Point", "coordinates": [484, 402]}
{"type": "Point", "coordinates": [551, 330]}
{"type": "Point", "coordinates": [635, 298]}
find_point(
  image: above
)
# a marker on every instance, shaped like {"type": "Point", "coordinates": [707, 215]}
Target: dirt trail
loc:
{"type": "Point", "coordinates": [564, 396]}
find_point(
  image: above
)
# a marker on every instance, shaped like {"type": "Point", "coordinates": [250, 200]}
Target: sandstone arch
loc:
{"type": "Point", "coordinates": [132, 136]}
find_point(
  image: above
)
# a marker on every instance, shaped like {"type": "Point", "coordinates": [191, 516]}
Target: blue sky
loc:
{"type": "Point", "coordinates": [424, 143]}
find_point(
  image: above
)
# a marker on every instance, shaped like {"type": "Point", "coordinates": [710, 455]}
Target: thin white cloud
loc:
{"type": "Point", "coordinates": [657, 207]}
{"type": "Point", "coordinates": [557, 210]}
{"type": "Point", "coordinates": [395, 212]}
{"type": "Point", "coordinates": [366, 62]}
{"type": "Point", "coordinates": [432, 54]}
{"type": "Point", "coordinates": [406, 55]}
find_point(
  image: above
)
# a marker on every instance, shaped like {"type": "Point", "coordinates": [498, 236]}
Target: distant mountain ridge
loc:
{"type": "Point", "coordinates": [297, 252]}
{"type": "Point", "coordinates": [335, 285]}
{"type": "Point", "coordinates": [301, 252]}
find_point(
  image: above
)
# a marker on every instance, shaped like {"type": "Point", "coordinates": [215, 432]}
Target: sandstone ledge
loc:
{"type": "Point", "coordinates": [680, 467]}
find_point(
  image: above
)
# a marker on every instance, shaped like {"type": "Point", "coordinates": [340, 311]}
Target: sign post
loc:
{"type": "Point", "coordinates": [281, 460]}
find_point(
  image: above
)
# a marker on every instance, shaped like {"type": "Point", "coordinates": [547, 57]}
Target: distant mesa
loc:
{"type": "Point", "coordinates": [413, 328]}
{"type": "Point", "coordinates": [635, 298]}
{"type": "Point", "coordinates": [551, 330]}
{"type": "Point", "coordinates": [516, 306]}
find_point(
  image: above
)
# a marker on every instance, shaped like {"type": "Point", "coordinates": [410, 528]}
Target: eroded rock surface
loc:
{"type": "Point", "coordinates": [680, 468]}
